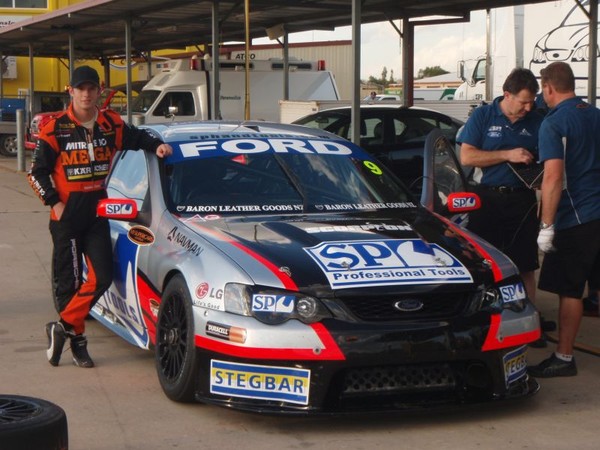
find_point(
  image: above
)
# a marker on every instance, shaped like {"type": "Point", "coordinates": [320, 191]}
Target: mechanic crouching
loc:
{"type": "Point", "coordinates": [70, 163]}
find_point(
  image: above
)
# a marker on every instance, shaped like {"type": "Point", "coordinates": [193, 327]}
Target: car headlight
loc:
{"type": "Point", "coordinates": [272, 306]}
{"type": "Point", "coordinates": [510, 294]}
{"type": "Point", "coordinates": [538, 55]}
{"type": "Point", "coordinates": [581, 54]}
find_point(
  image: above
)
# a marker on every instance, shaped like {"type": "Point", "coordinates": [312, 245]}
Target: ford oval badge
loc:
{"type": "Point", "coordinates": [409, 305]}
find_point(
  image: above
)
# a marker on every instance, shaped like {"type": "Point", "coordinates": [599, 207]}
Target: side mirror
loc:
{"type": "Point", "coordinates": [460, 70]}
{"type": "Point", "coordinates": [461, 202]}
{"type": "Point", "coordinates": [117, 209]}
{"type": "Point", "coordinates": [172, 111]}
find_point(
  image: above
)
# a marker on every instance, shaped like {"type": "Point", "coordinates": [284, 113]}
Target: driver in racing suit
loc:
{"type": "Point", "coordinates": [70, 163]}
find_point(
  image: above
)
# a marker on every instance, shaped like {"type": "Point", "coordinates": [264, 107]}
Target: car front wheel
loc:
{"type": "Point", "coordinates": [175, 353]}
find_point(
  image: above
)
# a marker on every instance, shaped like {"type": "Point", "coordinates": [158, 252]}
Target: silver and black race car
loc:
{"type": "Point", "coordinates": [276, 268]}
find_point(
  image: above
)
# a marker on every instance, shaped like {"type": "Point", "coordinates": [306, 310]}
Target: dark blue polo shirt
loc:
{"type": "Point", "coordinates": [571, 132]}
{"type": "Point", "coordinates": [489, 129]}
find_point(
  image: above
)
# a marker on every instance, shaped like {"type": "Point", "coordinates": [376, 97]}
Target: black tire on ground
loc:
{"type": "Point", "coordinates": [28, 423]}
{"type": "Point", "coordinates": [175, 353]}
{"type": "Point", "coordinates": [8, 145]}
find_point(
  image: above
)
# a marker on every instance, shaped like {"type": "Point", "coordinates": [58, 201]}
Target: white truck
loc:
{"type": "Point", "coordinates": [181, 90]}
{"type": "Point", "coordinates": [530, 36]}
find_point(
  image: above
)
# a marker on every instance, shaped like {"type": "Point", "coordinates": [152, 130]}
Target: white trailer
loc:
{"type": "Point", "coordinates": [530, 36]}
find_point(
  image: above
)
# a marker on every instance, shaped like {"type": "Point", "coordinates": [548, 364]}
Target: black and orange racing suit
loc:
{"type": "Point", "coordinates": [70, 165]}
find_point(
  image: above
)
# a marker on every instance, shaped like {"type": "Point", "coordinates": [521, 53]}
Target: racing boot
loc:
{"type": "Point", "coordinates": [57, 337]}
{"type": "Point", "coordinates": [81, 357]}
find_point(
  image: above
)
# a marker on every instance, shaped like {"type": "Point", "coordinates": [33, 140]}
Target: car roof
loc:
{"type": "Point", "coordinates": [378, 106]}
{"type": "Point", "coordinates": [382, 106]}
{"type": "Point", "coordinates": [182, 131]}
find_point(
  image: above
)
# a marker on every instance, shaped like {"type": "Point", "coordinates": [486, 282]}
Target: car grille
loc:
{"type": "Point", "coordinates": [435, 306]}
{"type": "Point", "coordinates": [410, 386]}
{"type": "Point", "coordinates": [396, 379]}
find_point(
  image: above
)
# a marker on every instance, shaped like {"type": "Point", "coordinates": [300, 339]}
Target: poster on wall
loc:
{"type": "Point", "coordinates": [8, 65]}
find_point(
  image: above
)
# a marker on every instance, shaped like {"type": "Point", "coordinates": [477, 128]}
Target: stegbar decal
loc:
{"type": "Point", "coordinates": [259, 382]}
{"type": "Point", "coordinates": [387, 262]}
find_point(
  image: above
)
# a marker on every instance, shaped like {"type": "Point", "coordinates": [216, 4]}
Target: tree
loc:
{"type": "Point", "coordinates": [431, 72]}
{"type": "Point", "coordinates": [383, 81]}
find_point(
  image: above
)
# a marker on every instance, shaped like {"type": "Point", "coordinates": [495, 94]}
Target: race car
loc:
{"type": "Point", "coordinates": [280, 269]}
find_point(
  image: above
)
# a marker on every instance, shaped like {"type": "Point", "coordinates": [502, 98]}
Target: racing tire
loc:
{"type": "Point", "coordinates": [8, 145]}
{"type": "Point", "coordinates": [175, 350]}
{"type": "Point", "coordinates": [31, 423]}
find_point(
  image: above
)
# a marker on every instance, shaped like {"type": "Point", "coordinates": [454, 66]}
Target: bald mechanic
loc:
{"type": "Point", "coordinates": [68, 171]}
{"type": "Point", "coordinates": [570, 226]}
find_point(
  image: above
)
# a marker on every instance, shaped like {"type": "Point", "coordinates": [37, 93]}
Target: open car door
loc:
{"type": "Point", "coordinates": [445, 190]}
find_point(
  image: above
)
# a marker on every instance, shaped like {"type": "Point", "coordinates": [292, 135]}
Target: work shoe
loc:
{"type": "Point", "coordinates": [56, 341]}
{"type": "Point", "coordinates": [81, 357]}
{"type": "Point", "coordinates": [553, 367]}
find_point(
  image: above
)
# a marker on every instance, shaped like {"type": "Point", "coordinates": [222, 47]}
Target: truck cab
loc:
{"type": "Point", "coordinates": [181, 91]}
{"type": "Point", "coordinates": [473, 76]}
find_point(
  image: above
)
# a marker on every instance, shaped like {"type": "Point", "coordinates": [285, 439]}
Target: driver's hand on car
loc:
{"type": "Point", "coordinates": [164, 150]}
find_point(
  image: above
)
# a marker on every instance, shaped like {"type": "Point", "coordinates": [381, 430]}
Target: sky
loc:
{"type": "Point", "coordinates": [435, 45]}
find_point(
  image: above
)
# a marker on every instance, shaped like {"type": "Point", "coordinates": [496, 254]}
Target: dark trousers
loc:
{"type": "Point", "coordinates": [74, 297]}
{"type": "Point", "coordinates": [508, 220]}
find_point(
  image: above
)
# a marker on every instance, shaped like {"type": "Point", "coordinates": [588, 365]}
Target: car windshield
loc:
{"type": "Point", "coordinates": [259, 183]}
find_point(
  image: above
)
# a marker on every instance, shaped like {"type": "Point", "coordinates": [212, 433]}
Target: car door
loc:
{"type": "Point", "coordinates": [119, 308]}
{"type": "Point", "coordinates": [405, 131]}
{"type": "Point", "coordinates": [444, 187]}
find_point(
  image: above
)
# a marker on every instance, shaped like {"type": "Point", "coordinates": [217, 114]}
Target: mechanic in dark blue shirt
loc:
{"type": "Point", "coordinates": [506, 131]}
{"type": "Point", "coordinates": [569, 146]}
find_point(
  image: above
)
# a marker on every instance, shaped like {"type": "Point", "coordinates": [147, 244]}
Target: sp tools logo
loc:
{"type": "Point", "coordinates": [273, 303]}
{"type": "Point", "coordinates": [116, 209]}
{"type": "Point", "coordinates": [386, 262]}
{"type": "Point", "coordinates": [513, 292]}
{"type": "Point", "coordinates": [463, 202]}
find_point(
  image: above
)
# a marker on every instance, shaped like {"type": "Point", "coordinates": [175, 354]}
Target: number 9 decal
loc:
{"type": "Point", "coordinates": [374, 168]}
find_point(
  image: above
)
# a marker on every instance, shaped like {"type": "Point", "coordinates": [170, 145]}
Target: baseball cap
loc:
{"type": "Point", "coordinates": [84, 74]}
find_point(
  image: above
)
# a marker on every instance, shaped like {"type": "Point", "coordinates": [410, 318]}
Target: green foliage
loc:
{"type": "Point", "coordinates": [383, 81]}
{"type": "Point", "coordinates": [430, 72]}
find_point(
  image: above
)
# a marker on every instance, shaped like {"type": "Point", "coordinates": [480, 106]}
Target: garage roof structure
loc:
{"type": "Point", "coordinates": [97, 26]}
{"type": "Point", "coordinates": [123, 28]}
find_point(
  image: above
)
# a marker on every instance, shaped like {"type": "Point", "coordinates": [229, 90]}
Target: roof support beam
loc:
{"type": "Point", "coordinates": [593, 61]}
{"type": "Point", "coordinates": [215, 106]}
{"type": "Point", "coordinates": [128, 68]}
{"type": "Point", "coordinates": [356, 37]}
{"type": "Point", "coordinates": [408, 53]}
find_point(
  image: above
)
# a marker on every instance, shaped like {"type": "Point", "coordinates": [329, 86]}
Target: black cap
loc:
{"type": "Point", "coordinates": [84, 74]}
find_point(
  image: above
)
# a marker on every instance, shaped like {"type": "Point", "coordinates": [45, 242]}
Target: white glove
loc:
{"type": "Point", "coordinates": [545, 239]}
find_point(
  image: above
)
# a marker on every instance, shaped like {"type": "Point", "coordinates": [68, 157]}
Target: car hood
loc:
{"type": "Point", "coordinates": [394, 252]}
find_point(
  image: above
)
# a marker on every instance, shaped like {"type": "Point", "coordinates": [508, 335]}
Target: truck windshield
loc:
{"type": "Point", "coordinates": [144, 101]}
